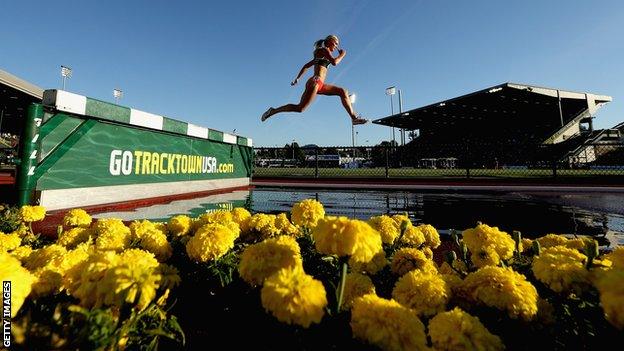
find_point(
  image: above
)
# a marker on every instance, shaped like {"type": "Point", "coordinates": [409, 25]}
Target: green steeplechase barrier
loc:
{"type": "Point", "coordinates": [28, 154]}
{"type": "Point", "coordinates": [90, 152]}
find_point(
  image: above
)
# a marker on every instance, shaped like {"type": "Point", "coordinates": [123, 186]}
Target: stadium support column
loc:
{"type": "Point", "coordinates": [559, 104]}
{"type": "Point", "coordinates": [28, 154]}
{"type": "Point", "coordinates": [401, 111]}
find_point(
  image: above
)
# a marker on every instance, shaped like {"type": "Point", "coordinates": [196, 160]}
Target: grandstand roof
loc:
{"type": "Point", "coordinates": [7, 79]}
{"type": "Point", "coordinates": [493, 103]}
{"type": "Point", "coordinates": [15, 96]}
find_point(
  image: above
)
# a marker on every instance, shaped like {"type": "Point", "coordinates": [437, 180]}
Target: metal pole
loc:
{"type": "Point", "coordinates": [316, 161]}
{"type": "Point", "coordinates": [401, 111]}
{"type": "Point", "coordinates": [1, 118]}
{"type": "Point", "coordinates": [63, 82]}
{"type": "Point", "coordinates": [386, 154]}
{"type": "Point", "coordinates": [28, 154]}
{"type": "Point", "coordinates": [352, 135]}
{"type": "Point", "coordinates": [559, 103]}
{"type": "Point", "coordinates": [392, 113]}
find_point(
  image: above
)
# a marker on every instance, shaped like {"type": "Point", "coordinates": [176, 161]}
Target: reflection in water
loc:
{"type": "Point", "coordinates": [190, 207]}
{"type": "Point", "coordinates": [534, 214]}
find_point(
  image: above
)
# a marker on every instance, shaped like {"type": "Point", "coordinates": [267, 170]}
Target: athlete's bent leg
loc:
{"type": "Point", "coordinates": [306, 99]}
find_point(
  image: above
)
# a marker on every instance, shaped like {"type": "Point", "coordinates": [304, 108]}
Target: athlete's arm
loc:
{"type": "Point", "coordinates": [302, 71]}
{"type": "Point", "coordinates": [334, 60]}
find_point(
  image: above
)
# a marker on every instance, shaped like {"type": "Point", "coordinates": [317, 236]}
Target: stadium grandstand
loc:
{"type": "Point", "coordinates": [514, 125]}
{"type": "Point", "coordinates": [15, 96]}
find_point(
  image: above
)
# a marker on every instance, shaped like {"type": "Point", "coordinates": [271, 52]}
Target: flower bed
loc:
{"type": "Point", "coordinates": [304, 280]}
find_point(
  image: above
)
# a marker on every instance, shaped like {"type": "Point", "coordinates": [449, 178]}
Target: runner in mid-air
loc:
{"type": "Point", "coordinates": [315, 85]}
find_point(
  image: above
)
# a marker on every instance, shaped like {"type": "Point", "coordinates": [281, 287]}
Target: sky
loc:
{"type": "Point", "coordinates": [221, 64]}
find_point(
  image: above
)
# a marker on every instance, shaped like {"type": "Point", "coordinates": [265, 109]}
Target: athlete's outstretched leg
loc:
{"type": "Point", "coordinates": [306, 99]}
{"type": "Point", "coordinates": [333, 90]}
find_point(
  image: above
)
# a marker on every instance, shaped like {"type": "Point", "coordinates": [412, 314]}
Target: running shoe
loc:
{"type": "Point", "coordinates": [359, 120]}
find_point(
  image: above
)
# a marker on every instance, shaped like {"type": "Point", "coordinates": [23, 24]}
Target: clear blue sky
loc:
{"type": "Point", "coordinates": [220, 64]}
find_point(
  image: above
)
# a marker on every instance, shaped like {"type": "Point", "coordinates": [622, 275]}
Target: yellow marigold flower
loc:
{"type": "Point", "coordinates": [241, 216]}
{"type": "Point", "coordinates": [153, 238]}
{"type": "Point", "coordinates": [50, 277]}
{"type": "Point", "coordinates": [399, 219]}
{"type": "Point", "coordinates": [453, 281]}
{"type": "Point", "coordinates": [561, 269]}
{"type": "Point", "coordinates": [425, 293]}
{"type": "Point", "coordinates": [219, 217]}
{"type": "Point", "coordinates": [413, 236]}
{"type": "Point", "coordinates": [179, 225]}
{"type": "Point", "coordinates": [428, 252]}
{"type": "Point", "coordinates": [139, 257]}
{"type": "Point", "coordinates": [502, 288]}
{"type": "Point", "coordinates": [432, 237]}
{"type": "Point", "coordinates": [525, 244]}
{"type": "Point", "coordinates": [346, 237]}
{"type": "Point", "coordinates": [307, 213]}
{"type": "Point", "coordinates": [134, 280]}
{"type": "Point", "coordinates": [112, 234]}
{"type": "Point", "coordinates": [84, 280]}
{"type": "Point", "coordinates": [356, 285]}
{"type": "Point", "coordinates": [485, 256]}
{"type": "Point", "coordinates": [107, 278]}
{"type": "Point", "coordinates": [550, 240]}
{"type": "Point", "coordinates": [20, 278]}
{"type": "Point", "coordinates": [155, 241]}
{"type": "Point", "coordinates": [616, 257]}
{"type": "Point", "coordinates": [261, 260]}
{"type": "Point", "coordinates": [71, 259]}
{"type": "Point", "coordinates": [48, 282]}
{"type": "Point", "coordinates": [22, 253]}
{"type": "Point", "coordinates": [386, 227]}
{"type": "Point", "coordinates": [139, 228]}
{"type": "Point", "coordinates": [294, 297]}
{"type": "Point", "coordinates": [576, 243]}
{"type": "Point", "coordinates": [285, 227]}
{"type": "Point", "coordinates": [41, 257]}
{"type": "Point", "coordinates": [210, 242]}
{"type": "Point", "coordinates": [409, 258]}
{"type": "Point", "coordinates": [9, 242]}
{"type": "Point", "coordinates": [377, 263]}
{"type": "Point", "coordinates": [263, 225]}
{"type": "Point", "coordinates": [387, 325]}
{"type": "Point", "coordinates": [483, 235]}
{"type": "Point", "coordinates": [32, 213]}
{"type": "Point", "coordinates": [610, 285]}
{"type": "Point", "coordinates": [72, 237]}
{"type": "Point", "coordinates": [458, 330]}
{"type": "Point", "coordinates": [77, 218]}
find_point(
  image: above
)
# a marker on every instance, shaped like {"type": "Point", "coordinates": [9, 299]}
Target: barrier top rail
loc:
{"type": "Point", "coordinates": [81, 105]}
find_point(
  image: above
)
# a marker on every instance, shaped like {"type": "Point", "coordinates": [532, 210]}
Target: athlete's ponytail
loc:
{"type": "Point", "coordinates": [319, 44]}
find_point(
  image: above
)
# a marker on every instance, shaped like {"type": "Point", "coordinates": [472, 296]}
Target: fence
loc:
{"type": "Point", "coordinates": [459, 160]}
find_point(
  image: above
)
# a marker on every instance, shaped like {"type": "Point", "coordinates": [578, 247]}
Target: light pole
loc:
{"type": "Point", "coordinates": [66, 72]}
{"type": "Point", "coordinates": [293, 149]}
{"type": "Point", "coordinates": [118, 94]}
{"type": "Point", "coordinates": [391, 91]}
{"type": "Point", "coordinates": [352, 98]}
